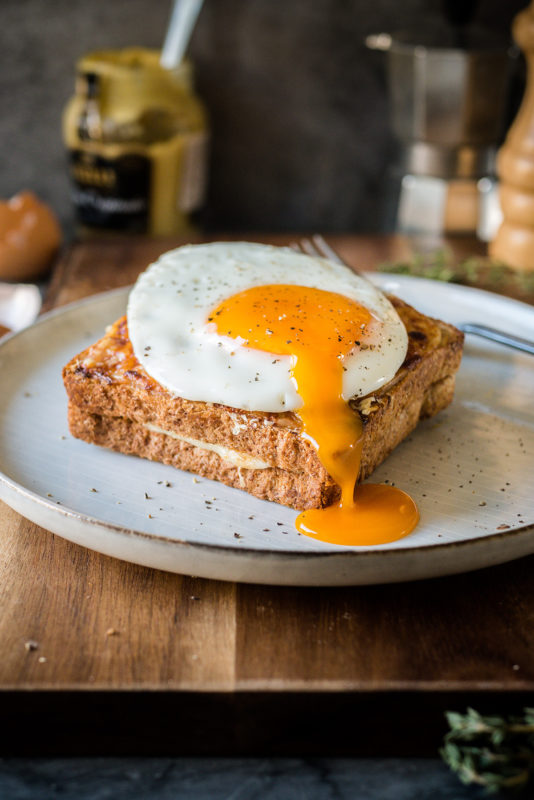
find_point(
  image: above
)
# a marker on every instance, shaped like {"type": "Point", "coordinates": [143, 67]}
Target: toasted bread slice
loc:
{"type": "Point", "coordinates": [113, 402]}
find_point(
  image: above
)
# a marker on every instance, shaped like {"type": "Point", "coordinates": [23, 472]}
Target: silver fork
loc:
{"type": "Point", "coordinates": [317, 246]}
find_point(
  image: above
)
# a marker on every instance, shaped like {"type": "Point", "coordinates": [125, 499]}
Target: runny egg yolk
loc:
{"type": "Point", "coordinates": [318, 329]}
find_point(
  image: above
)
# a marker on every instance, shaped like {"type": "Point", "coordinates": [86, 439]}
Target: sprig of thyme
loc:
{"type": "Point", "coordinates": [480, 271]}
{"type": "Point", "coordinates": [494, 752]}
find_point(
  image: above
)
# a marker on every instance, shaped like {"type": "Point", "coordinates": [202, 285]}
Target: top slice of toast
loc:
{"type": "Point", "coordinates": [112, 399]}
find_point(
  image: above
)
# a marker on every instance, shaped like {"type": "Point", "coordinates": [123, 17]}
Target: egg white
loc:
{"type": "Point", "coordinates": [167, 321]}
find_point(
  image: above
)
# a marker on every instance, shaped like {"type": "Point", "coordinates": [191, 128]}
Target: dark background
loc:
{"type": "Point", "coordinates": [298, 105]}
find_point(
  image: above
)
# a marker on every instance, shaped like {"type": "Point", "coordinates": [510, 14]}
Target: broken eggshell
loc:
{"type": "Point", "coordinates": [29, 237]}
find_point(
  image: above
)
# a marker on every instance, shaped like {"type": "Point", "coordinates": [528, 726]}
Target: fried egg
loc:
{"type": "Point", "coordinates": [181, 343]}
{"type": "Point", "coordinates": [263, 328]}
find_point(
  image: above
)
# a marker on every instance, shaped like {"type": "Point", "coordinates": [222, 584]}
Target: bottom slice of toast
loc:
{"type": "Point", "coordinates": [114, 403]}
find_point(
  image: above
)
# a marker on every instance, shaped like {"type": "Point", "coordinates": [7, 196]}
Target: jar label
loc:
{"type": "Point", "coordinates": [192, 188]}
{"type": "Point", "coordinates": [111, 193]}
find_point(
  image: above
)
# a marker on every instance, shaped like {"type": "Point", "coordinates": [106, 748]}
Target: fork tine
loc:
{"type": "Point", "coordinates": [307, 246]}
{"type": "Point", "coordinates": [318, 246]}
{"type": "Point", "coordinates": [326, 250]}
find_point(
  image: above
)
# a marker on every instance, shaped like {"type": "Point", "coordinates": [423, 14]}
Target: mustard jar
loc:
{"type": "Point", "coordinates": [136, 136]}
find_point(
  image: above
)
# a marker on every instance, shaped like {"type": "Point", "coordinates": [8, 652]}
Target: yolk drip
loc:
{"type": "Point", "coordinates": [318, 329]}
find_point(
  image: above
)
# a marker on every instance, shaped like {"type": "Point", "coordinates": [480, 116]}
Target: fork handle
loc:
{"type": "Point", "coordinates": [498, 336]}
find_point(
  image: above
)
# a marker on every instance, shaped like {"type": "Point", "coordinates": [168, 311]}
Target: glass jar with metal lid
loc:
{"type": "Point", "coordinates": [137, 136]}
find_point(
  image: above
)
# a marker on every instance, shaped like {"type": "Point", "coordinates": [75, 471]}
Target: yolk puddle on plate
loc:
{"type": "Point", "coordinates": [318, 328]}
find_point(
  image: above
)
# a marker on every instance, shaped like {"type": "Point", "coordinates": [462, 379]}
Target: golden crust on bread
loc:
{"type": "Point", "coordinates": [113, 402]}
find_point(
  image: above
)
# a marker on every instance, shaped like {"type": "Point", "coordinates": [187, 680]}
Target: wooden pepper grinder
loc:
{"type": "Point", "coordinates": [514, 242]}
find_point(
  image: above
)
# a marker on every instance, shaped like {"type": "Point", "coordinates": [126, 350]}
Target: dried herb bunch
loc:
{"type": "Point", "coordinates": [494, 752]}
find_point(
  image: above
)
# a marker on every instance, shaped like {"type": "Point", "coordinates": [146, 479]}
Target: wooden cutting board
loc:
{"type": "Point", "coordinates": [127, 659]}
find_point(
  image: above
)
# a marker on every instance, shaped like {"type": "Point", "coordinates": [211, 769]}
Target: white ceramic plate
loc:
{"type": "Point", "coordinates": [470, 469]}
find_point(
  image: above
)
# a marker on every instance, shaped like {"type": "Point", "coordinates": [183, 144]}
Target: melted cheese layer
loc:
{"type": "Point", "coordinates": [234, 457]}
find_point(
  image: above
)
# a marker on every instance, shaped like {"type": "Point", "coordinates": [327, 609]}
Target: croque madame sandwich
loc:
{"type": "Point", "coordinates": [284, 375]}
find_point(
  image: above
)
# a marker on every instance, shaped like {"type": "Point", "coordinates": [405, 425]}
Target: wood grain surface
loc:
{"type": "Point", "coordinates": [96, 623]}
{"type": "Point", "coordinates": [102, 264]}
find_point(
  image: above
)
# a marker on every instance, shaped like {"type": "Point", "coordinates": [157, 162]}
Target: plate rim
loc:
{"type": "Point", "coordinates": [68, 513]}
{"type": "Point", "coordinates": [86, 519]}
